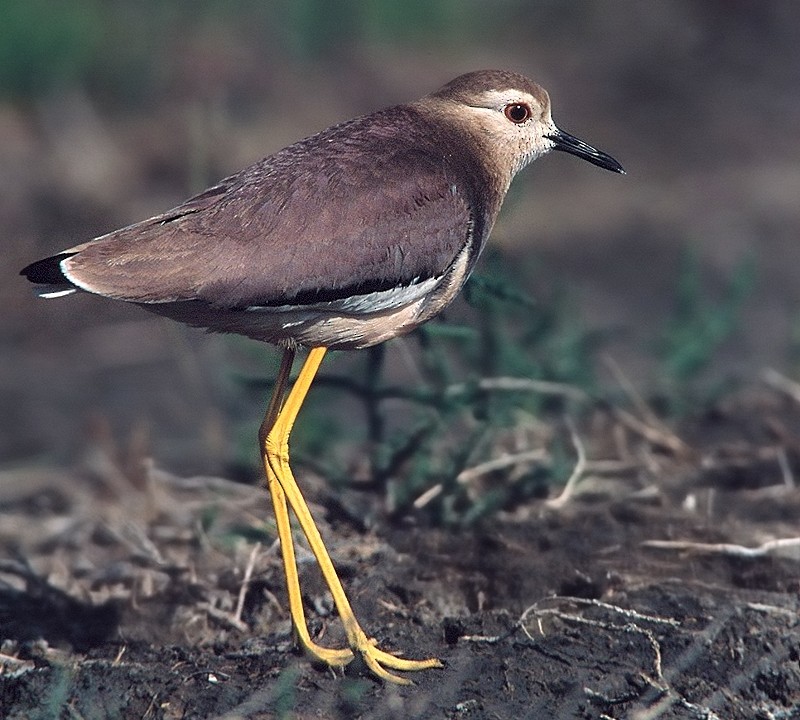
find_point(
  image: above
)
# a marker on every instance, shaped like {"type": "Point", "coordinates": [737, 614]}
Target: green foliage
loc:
{"type": "Point", "coordinates": [114, 48]}
{"type": "Point", "coordinates": [54, 701]}
{"type": "Point", "coordinates": [698, 328]}
{"type": "Point", "coordinates": [284, 693]}
{"type": "Point", "coordinates": [45, 45]}
{"type": "Point", "coordinates": [352, 694]}
{"type": "Point", "coordinates": [127, 51]}
{"type": "Point", "coordinates": [316, 29]}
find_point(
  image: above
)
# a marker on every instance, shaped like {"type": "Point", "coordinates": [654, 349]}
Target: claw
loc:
{"type": "Point", "coordinates": [376, 660]}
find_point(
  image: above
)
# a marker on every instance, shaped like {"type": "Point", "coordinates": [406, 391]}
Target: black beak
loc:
{"type": "Point", "coordinates": [568, 143]}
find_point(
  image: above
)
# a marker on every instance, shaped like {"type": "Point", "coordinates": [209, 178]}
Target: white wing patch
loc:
{"type": "Point", "coordinates": [367, 304]}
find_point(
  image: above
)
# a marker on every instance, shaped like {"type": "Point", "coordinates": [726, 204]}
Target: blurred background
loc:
{"type": "Point", "coordinates": [681, 273]}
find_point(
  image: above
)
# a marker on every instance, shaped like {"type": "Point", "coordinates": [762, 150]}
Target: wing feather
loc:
{"type": "Point", "coordinates": [360, 208]}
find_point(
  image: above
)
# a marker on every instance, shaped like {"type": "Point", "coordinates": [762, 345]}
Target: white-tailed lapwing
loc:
{"type": "Point", "coordinates": [341, 241]}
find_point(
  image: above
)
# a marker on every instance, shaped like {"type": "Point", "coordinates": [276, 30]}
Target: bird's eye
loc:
{"type": "Point", "coordinates": [518, 113]}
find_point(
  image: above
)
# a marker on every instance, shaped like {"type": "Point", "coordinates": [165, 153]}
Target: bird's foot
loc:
{"type": "Point", "coordinates": [333, 657]}
{"type": "Point", "coordinates": [378, 660]}
{"type": "Point", "coordinates": [375, 659]}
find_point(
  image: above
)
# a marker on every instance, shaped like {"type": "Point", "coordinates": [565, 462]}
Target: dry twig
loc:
{"type": "Point", "coordinates": [782, 547]}
{"type": "Point", "coordinates": [577, 471]}
{"type": "Point", "coordinates": [470, 474]}
{"type": "Point", "coordinates": [781, 383]}
{"type": "Point", "coordinates": [248, 573]}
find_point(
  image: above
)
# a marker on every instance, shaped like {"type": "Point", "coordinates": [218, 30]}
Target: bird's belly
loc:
{"type": "Point", "coordinates": [309, 328]}
{"type": "Point", "coordinates": [325, 325]}
{"type": "Point", "coordinates": [350, 331]}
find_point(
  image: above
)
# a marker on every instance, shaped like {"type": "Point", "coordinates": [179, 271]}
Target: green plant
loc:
{"type": "Point", "coordinates": [696, 331]}
{"type": "Point", "coordinates": [284, 693]}
{"type": "Point", "coordinates": [479, 394]}
{"type": "Point", "coordinates": [44, 45]}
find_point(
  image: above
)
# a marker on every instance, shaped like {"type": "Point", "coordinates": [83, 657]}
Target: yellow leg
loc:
{"type": "Point", "coordinates": [283, 487]}
{"type": "Point", "coordinates": [327, 655]}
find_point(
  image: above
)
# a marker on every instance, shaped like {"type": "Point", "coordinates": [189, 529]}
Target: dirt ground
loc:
{"type": "Point", "coordinates": [664, 586]}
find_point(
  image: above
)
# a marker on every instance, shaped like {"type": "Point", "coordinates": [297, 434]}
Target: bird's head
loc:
{"type": "Point", "coordinates": [509, 117]}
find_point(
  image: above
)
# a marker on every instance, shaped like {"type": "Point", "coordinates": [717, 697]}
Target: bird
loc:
{"type": "Point", "coordinates": [340, 241]}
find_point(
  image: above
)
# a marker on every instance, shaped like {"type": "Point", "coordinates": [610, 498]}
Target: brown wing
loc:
{"type": "Point", "coordinates": [364, 206]}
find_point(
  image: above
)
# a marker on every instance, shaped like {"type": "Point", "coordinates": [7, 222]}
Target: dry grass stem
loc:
{"type": "Point", "coordinates": [783, 547]}
{"type": "Point", "coordinates": [248, 573]}
{"type": "Point", "coordinates": [509, 384]}
{"type": "Point", "coordinates": [490, 466]}
{"type": "Point", "coordinates": [781, 383]}
{"type": "Point", "coordinates": [577, 471]}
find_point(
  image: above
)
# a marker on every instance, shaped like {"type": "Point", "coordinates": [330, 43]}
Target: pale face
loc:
{"type": "Point", "coordinates": [514, 122]}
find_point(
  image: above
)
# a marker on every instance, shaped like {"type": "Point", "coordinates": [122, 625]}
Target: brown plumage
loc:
{"type": "Point", "coordinates": [342, 240]}
{"type": "Point", "coordinates": [384, 201]}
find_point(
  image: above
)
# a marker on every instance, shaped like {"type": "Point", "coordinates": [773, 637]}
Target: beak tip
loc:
{"type": "Point", "coordinates": [569, 143]}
